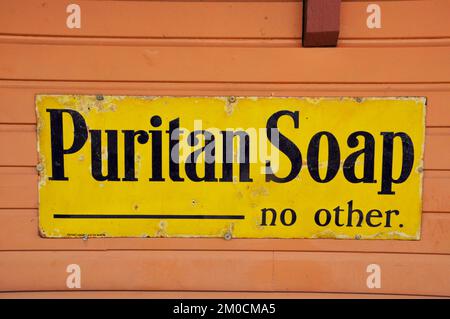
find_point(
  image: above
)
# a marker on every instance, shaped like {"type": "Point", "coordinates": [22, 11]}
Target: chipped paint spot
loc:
{"type": "Point", "coordinates": [259, 191]}
{"type": "Point", "coordinates": [229, 107]}
{"type": "Point", "coordinates": [162, 229]}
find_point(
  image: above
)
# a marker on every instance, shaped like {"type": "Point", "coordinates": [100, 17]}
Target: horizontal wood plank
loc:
{"type": "Point", "coordinates": [215, 64]}
{"type": "Point", "coordinates": [19, 189]}
{"type": "Point", "coordinates": [226, 271]}
{"type": "Point", "coordinates": [20, 232]}
{"type": "Point", "coordinates": [19, 146]}
{"type": "Point", "coordinates": [74, 294]}
{"type": "Point", "coordinates": [208, 42]}
{"type": "Point", "coordinates": [437, 148]}
{"type": "Point", "coordinates": [243, 19]}
{"type": "Point", "coordinates": [17, 98]}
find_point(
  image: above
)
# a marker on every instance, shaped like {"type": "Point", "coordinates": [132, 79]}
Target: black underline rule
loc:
{"type": "Point", "coordinates": [140, 216]}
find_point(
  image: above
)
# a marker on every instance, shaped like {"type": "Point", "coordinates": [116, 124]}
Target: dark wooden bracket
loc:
{"type": "Point", "coordinates": [321, 23]}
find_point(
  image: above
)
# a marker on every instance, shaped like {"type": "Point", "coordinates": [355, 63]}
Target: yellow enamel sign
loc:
{"type": "Point", "coordinates": [233, 167]}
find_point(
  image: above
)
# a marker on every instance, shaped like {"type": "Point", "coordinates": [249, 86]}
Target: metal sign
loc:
{"type": "Point", "coordinates": [233, 167]}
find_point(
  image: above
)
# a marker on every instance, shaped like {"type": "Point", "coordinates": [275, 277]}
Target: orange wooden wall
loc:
{"type": "Point", "coordinates": [218, 48]}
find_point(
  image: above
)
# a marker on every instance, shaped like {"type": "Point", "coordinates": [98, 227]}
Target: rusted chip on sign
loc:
{"type": "Point", "coordinates": [321, 23]}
